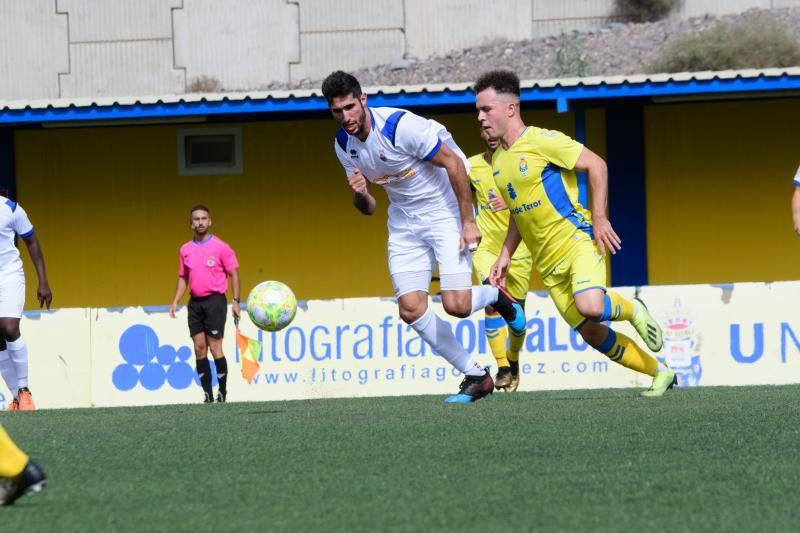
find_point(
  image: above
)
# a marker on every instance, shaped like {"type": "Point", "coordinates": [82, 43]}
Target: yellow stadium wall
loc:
{"type": "Point", "coordinates": [111, 211]}
{"type": "Point", "coordinates": [719, 186]}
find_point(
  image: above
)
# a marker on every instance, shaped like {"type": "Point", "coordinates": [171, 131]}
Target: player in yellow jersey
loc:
{"type": "Point", "coordinates": [19, 475]}
{"type": "Point", "coordinates": [534, 170]}
{"type": "Point", "coordinates": [492, 219]}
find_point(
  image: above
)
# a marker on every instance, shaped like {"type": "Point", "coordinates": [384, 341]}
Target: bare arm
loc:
{"type": "Point", "coordinates": [796, 209]}
{"type": "Point", "coordinates": [236, 307]}
{"type": "Point", "coordinates": [362, 193]}
{"type": "Point", "coordinates": [179, 290]}
{"type": "Point", "coordinates": [497, 275]}
{"type": "Point", "coordinates": [457, 172]}
{"type": "Point", "coordinates": [597, 170]}
{"type": "Point", "coordinates": [43, 293]}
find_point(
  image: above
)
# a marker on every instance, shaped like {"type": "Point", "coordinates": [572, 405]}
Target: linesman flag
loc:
{"type": "Point", "coordinates": [249, 350]}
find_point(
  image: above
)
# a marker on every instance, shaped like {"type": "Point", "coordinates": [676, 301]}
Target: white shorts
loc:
{"type": "Point", "coordinates": [12, 296]}
{"type": "Point", "coordinates": [418, 243]}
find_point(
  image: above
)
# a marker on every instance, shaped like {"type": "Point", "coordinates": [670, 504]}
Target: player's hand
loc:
{"type": "Point", "coordinates": [605, 236]}
{"type": "Point", "coordinates": [470, 237]}
{"type": "Point", "coordinates": [172, 309]}
{"type": "Point", "coordinates": [497, 203]}
{"type": "Point", "coordinates": [44, 295]}
{"type": "Point", "coordinates": [358, 183]}
{"type": "Point", "coordinates": [236, 310]}
{"type": "Point", "coordinates": [497, 275]}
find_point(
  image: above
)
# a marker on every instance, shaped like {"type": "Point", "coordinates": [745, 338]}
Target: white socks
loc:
{"type": "Point", "coordinates": [483, 295]}
{"type": "Point", "coordinates": [9, 372]}
{"type": "Point", "coordinates": [439, 334]}
{"type": "Point", "coordinates": [18, 350]}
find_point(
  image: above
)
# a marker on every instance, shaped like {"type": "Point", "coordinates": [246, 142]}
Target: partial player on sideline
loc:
{"type": "Point", "coordinates": [13, 348]}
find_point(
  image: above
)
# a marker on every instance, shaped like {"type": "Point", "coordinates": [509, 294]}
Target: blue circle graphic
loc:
{"type": "Point", "coordinates": [166, 355]}
{"type": "Point", "coordinates": [184, 353]}
{"type": "Point", "coordinates": [138, 344]}
{"type": "Point", "coordinates": [152, 376]}
{"type": "Point", "coordinates": [180, 375]}
{"type": "Point", "coordinates": [125, 377]}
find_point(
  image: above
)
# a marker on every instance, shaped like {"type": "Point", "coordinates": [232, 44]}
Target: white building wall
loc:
{"type": "Point", "coordinates": [33, 49]}
{"type": "Point", "coordinates": [75, 48]}
{"type": "Point", "coordinates": [242, 44]}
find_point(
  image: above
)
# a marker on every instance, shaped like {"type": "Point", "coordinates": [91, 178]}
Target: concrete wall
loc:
{"type": "Point", "coordinates": [89, 48]}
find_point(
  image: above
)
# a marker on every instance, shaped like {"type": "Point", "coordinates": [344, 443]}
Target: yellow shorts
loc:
{"type": "Point", "coordinates": [519, 274]}
{"type": "Point", "coordinates": [581, 269]}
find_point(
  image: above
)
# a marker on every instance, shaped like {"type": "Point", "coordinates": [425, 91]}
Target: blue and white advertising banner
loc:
{"type": "Point", "coordinates": [739, 334]}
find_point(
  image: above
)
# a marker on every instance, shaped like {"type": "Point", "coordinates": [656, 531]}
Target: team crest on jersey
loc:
{"type": "Point", "coordinates": [511, 192]}
{"type": "Point", "coordinates": [210, 261]}
{"type": "Point", "coordinates": [382, 156]}
{"type": "Point", "coordinates": [523, 166]}
{"type": "Point", "coordinates": [353, 154]}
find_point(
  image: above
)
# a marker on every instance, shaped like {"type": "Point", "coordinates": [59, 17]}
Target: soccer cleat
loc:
{"type": "Point", "coordinates": [511, 311]}
{"type": "Point", "coordinates": [662, 381]}
{"type": "Point", "coordinates": [503, 377]}
{"type": "Point", "coordinates": [208, 397]}
{"type": "Point", "coordinates": [647, 327]}
{"type": "Point", "coordinates": [32, 479]}
{"type": "Point", "coordinates": [473, 388]}
{"type": "Point", "coordinates": [25, 400]}
{"type": "Point", "coordinates": [13, 406]}
{"type": "Point", "coordinates": [222, 397]}
{"type": "Point", "coordinates": [514, 385]}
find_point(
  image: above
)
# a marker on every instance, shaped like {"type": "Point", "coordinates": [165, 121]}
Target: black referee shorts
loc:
{"type": "Point", "coordinates": [207, 314]}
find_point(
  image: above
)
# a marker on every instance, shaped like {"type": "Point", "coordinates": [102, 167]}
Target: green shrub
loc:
{"type": "Point", "coordinates": [570, 61]}
{"type": "Point", "coordinates": [755, 42]}
{"type": "Point", "coordinates": [644, 10]}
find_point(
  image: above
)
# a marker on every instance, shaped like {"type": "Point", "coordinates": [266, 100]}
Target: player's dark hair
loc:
{"type": "Point", "coordinates": [502, 81]}
{"type": "Point", "coordinates": [339, 84]}
{"type": "Point", "coordinates": [199, 207]}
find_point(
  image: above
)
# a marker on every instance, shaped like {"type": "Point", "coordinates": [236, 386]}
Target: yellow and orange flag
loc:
{"type": "Point", "coordinates": [249, 350]}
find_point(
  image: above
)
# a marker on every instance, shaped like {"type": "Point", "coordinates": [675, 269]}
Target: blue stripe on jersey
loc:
{"type": "Point", "coordinates": [389, 130]}
{"type": "Point", "coordinates": [341, 139]}
{"type": "Point", "coordinates": [434, 151]}
{"type": "Point", "coordinates": [797, 182]}
{"type": "Point", "coordinates": [11, 205]}
{"type": "Point", "coordinates": [26, 235]}
{"type": "Point", "coordinates": [557, 194]}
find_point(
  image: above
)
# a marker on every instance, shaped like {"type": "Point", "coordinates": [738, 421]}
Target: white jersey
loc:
{"type": "Point", "coordinates": [13, 221]}
{"type": "Point", "coordinates": [797, 177]}
{"type": "Point", "coordinates": [397, 155]}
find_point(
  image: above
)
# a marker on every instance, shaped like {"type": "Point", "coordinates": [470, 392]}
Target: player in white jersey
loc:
{"type": "Point", "coordinates": [13, 351]}
{"type": "Point", "coordinates": [431, 218]}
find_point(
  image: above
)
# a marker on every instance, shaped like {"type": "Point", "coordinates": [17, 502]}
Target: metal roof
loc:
{"type": "Point", "coordinates": [558, 91]}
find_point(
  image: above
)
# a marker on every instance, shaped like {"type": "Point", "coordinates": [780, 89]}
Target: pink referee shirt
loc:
{"type": "Point", "coordinates": [207, 265]}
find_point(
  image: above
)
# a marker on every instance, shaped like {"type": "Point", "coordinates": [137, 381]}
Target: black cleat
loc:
{"type": "Point", "coordinates": [511, 311]}
{"type": "Point", "coordinates": [514, 385]}
{"type": "Point", "coordinates": [208, 397]}
{"type": "Point", "coordinates": [222, 396]}
{"type": "Point", "coordinates": [473, 388]}
{"type": "Point", "coordinates": [31, 480]}
{"type": "Point", "coordinates": [503, 377]}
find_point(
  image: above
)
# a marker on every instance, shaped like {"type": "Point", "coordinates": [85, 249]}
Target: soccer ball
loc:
{"type": "Point", "coordinates": [271, 305]}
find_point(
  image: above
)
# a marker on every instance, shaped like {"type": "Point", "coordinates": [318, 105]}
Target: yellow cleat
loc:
{"type": "Point", "coordinates": [647, 327]}
{"type": "Point", "coordinates": [662, 381]}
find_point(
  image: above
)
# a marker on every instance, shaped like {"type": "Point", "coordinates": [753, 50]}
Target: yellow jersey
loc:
{"type": "Point", "coordinates": [492, 224]}
{"type": "Point", "coordinates": [535, 177]}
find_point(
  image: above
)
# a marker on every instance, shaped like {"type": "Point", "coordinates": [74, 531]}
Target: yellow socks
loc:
{"type": "Point", "coordinates": [497, 336]}
{"type": "Point", "coordinates": [515, 345]}
{"type": "Point", "coordinates": [12, 459]}
{"type": "Point", "coordinates": [617, 308]}
{"type": "Point", "coordinates": [621, 349]}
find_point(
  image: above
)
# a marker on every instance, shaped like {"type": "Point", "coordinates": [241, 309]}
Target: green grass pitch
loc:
{"type": "Point", "coordinates": [601, 460]}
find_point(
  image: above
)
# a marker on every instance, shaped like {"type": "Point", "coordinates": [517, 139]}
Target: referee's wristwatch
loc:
{"type": "Point", "coordinates": [237, 300]}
